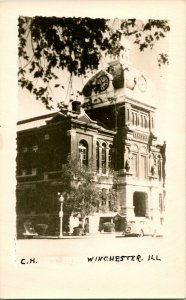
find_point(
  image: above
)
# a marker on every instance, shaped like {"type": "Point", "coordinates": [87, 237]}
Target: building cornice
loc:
{"type": "Point", "coordinates": [36, 118]}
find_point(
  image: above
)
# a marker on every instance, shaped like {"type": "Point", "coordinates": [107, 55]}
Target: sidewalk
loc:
{"type": "Point", "coordinates": [89, 236]}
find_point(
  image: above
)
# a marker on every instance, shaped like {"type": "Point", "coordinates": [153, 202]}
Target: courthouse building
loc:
{"type": "Point", "coordinates": [114, 128]}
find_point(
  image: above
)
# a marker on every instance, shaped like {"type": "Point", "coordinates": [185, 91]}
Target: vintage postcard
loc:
{"type": "Point", "coordinates": [93, 149]}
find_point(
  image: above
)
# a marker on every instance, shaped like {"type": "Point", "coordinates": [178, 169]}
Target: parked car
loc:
{"type": "Point", "coordinates": [29, 230]}
{"type": "Point", "coordinates": [141, 227]}
{"type": "Point", "coordinates": [110, 222]}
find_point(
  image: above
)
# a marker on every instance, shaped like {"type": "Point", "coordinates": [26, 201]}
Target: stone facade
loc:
{"type": "Point", "coordinates": [129, 109]}
{"type": "Point", "coordinates": [114, 129]}
{"type": "Point", "coordinates": [43, 146]}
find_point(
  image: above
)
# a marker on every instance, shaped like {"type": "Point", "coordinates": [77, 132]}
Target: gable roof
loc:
{"type": "Point", "coordinates": [56, 117]}
{"type": "Point", "coordinates": [59, 116]}
{"type": "Point", "coordinates": [82, 117]}
{"type": "Point", "coordinates": [85, 118]}
{"type": "Point", "coordinates": [34, 122]}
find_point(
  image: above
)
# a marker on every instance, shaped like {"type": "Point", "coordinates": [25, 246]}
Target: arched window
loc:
{"type": "Point", "coordinates": [145, 122]}
{"type": "Point", "coordinates": [135, 164]}
{"type": "Point", "coordinates": [136, 119]}
{"type": "Point", "coordinates": [128, 114]}
{"type": "Point", "coordinates": [141, 121]}
{"type": "Point", "coordinates": [97, 156]}
{"type": "Point", "coordinates": [134, 150]}
{"type": "Point", "coordinates": [143, 166]}
{"type": "Point", "coordinates": [140, 203]}
{"type": "Point", "coordinates": [143, 162]}
{"type": "Point", "coordinates": [110, 157]}
{"type": "Point", "coordinates": [83, 153]}
{"type": "Point", "coordinates": [103, 158]}
{"type": "Point", "coordinates": [143, 150]}
{"type": "Point", "coordinates": [104, 197]}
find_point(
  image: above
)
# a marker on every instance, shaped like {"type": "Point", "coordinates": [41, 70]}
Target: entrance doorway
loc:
{"type": "Point", "coordinates": [140, 203]}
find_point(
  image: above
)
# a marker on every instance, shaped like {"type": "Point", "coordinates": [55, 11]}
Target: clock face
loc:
{"type": "Point", "coordinates": [103, 83]}
{"type": "Point", "coordinates": [142, 83]}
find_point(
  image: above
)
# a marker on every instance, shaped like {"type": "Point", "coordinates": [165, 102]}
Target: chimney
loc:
{"type": "Point", "coordinates": [76, 106]}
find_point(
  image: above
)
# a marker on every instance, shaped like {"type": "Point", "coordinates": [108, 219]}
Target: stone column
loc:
{"type": "Point", "coordinates": [127, 113]}
{"type": "Point", "coordinates": [147, 212]}
{"type": "Point", "coordinates": [125, 193]}
{"type": "Point", "coordinates": [94, 141]}
{"type": "Point", "coordinates": [155, 212]}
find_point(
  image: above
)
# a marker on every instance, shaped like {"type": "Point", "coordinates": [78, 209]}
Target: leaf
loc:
{"type": "Point", "coordinates": [76, 45]}
{"type": "Point", "coordinates": [30, 86]}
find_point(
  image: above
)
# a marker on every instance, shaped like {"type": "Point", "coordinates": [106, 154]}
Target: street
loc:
{"type": "Point", "coordinates": [60, 250]}
{"type": "Point", "coordinates": [92, 267]}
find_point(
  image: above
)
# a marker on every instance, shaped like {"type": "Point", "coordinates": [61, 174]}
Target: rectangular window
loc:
{"type": "Point", "coordinates": [84, 154]}
{"type": "Point", "coordinates": [135, 164]}
{"type": "Point", "coordinates": [28, 171]}
{"type": "Point", "coordinates": [35, 148]}
{"type": "Point", "coordinates": [136, 119]}
{"type": "Point", "coordinates": [23, 172]}
{"type": "Point", "coordinates": [47, 137]}
{"type": "Point", "coordinates": [110, 160]}
{"type": "Point", "coordinates": [97, 157]}
{"type": "Point", "coordinates": [34, 171]}
{"type": "Point", "coordinates": [30, 201]}
{"type": "Point", "coordinates": [143, 167]}
{"type": "Point", "coordinates": [104, 159]}
{"type": "Point", "coordinates": [103, 155]}
{"type": "Point", "coordinates": [161, 204]}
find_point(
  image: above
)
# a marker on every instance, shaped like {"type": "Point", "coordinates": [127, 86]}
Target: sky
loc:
{"type": "Point", "coordinates": [145, 61]}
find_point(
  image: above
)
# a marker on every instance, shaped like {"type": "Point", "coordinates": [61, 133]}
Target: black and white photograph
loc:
{"type": "Point", "coordinates": [97, 158]}
{"type": "Point", "coordinates": [93, 194]}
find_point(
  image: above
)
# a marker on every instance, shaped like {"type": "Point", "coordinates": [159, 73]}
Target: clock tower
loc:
{"type": "Point", "coordinates": [122, 99]}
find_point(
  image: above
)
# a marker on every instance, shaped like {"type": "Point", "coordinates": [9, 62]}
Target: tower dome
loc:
{"type": "Point", "coordinates": [124, 55]}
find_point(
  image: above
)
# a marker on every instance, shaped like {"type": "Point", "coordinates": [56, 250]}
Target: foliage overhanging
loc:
{"type": "Point", "coordinates": [48, 45]}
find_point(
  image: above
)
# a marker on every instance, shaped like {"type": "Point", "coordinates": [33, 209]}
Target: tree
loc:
{"type": "Point", "coordinates": [49, 45]}
{"type": "Point", "coordinates": [81, 191]}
